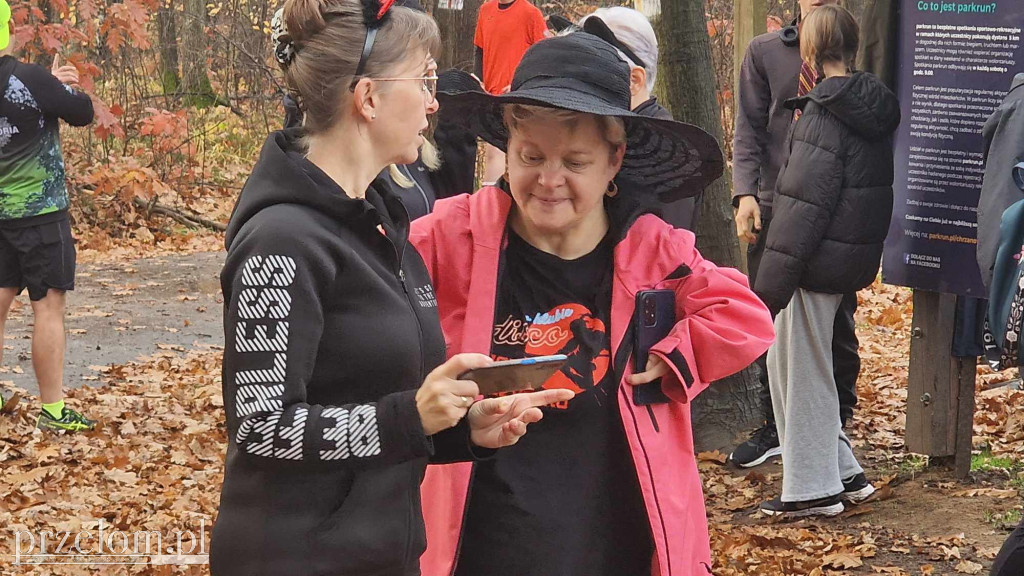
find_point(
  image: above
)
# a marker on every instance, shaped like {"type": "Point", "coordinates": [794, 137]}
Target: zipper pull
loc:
{"type": "Point", "coordinates": [401, 278]}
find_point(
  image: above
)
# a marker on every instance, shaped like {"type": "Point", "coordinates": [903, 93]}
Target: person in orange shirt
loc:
{"type": "Point", "coordinates": [504, 30]}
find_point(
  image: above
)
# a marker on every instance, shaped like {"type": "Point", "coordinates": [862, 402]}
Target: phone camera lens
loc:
{"type": "Point", "coordinates": [649, 312]}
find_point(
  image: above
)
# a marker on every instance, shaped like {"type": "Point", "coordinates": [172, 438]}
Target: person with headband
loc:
{"type": "Point", "coordinates": [447, 162]}
{"type": "Point", "coordinates": [550, 261]}
{"type": "Point", "coordinates": [37, 250]}
{"type": "Point", "coordinates": [336, 388]}
{"type": "Point", "coordinates": [410, 182]}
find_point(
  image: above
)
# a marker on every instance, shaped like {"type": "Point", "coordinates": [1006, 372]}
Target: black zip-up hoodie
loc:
{"type": "Point", "coordinates": [833, 197]}
{"type": "Point", "coordinates": [330, 327]}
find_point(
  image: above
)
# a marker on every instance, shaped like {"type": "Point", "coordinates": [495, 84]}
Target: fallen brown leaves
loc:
{"type": "Point", "coordinates": [94, 246]}
{"type": "Point", "coordinates": [744, 542]}
{"type": "Point", "coordinates": [154, 465]}
{"type": "Point", "coordinates": [157, 465]}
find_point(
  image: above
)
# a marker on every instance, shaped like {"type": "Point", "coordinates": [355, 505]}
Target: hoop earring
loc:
{"type": "Point", "coordinates": [613, 189]}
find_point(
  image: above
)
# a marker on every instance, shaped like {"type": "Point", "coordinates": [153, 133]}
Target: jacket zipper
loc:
{"type": "Point", "coordinates": [620, 371]}
{"type": "Point", "coordinates": [654, 420]}
{"type": "Point", "coordinates": [400, 274]}
{"type": "Point", "coordinates": [426, 201]}
{"type": "Point", "coordinates": [412, 305]}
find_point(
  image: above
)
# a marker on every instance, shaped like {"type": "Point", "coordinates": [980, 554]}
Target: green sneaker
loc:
{"type": "Point", "coordinates": [7, 406]}
{"type": "Point", "coordinates": [70, 421]}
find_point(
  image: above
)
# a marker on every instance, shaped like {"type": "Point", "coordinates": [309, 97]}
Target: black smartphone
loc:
{"type": "Point", "coordinates": [515, 375]}
{"type": "Point", "coordinates": [653, 318]}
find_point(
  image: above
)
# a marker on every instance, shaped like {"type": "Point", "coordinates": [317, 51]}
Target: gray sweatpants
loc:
{"type": "Point", "coordinates": [816, 455]}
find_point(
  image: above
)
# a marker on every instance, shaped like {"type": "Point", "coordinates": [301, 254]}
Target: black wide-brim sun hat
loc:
{"type": "Point", "coordinates": [580, 72]}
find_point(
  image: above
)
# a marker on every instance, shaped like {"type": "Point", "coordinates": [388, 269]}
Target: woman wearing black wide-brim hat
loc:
{"type": "Point", "coordinates": [551, 260]}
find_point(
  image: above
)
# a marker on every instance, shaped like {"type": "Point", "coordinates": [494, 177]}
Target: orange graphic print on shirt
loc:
{"type": "Point", "coordinates": [570, 329]}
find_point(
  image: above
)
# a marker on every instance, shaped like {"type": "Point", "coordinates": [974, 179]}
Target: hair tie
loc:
{"type": "Point", "coordinates": [284, 48]}
{"type": "Point", "coordinates": [375, 12]}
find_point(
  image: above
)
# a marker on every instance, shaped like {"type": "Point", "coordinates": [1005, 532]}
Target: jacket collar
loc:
{"type": "Point", "coordinates": [488, 215]}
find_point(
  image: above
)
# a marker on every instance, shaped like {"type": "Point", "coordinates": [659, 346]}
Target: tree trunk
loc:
{"type": "Point", "coordinates": [686, 84]}
{"type": "Point", "coordinates": [457, 21]}
{"type": "Point", "coordinates": [167, 33]}
{"type": "Point", "coordinates": [196, 86]}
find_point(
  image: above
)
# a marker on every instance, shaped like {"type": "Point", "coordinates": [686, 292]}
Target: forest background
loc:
{"type": "Point", "coordinates": [185, 94]}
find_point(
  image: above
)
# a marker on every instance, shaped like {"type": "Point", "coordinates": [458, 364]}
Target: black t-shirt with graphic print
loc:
{"type": "Point", "coordinates": [565, 499]}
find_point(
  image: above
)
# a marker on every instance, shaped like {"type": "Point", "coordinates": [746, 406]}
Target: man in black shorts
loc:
{"type": "Point", "coordinates": [36, 248]}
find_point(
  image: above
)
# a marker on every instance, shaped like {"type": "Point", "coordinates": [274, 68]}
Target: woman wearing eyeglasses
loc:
{"type": "Point", "coordinates": [336, 389]}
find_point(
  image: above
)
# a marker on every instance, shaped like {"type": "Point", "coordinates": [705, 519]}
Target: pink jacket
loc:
{"type": "Point", "coordinates": [724, 327]}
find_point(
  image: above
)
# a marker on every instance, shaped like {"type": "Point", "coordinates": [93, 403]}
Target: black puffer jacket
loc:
{"type": "Point", "coordinates": [833, 198]}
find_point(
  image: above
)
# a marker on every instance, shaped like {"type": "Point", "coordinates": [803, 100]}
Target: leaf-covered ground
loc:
{"type": "Point", "coordinates": [156, 465]}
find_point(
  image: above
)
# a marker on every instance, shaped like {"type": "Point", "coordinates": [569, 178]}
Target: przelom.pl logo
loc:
{"type": "Point", "coordinates": [106, 546]}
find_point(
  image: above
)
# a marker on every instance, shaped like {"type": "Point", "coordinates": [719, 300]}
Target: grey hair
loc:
{"type": "Point", "coordinates": [634, 30]}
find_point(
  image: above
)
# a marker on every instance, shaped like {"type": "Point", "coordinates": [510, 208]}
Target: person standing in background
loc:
{"type": "Point", "coordinates": [504, 30]}
{"type": "Point", "coordinates": [1004, 147]}
{"type": "Point", "coordinates": [37, 250]}
{"type": "Point", "coordinates": [832, 204]}
{"type": "Point", "coordinates": [772, 72]}
{"type": "Point", "coordinates": [632, 34]}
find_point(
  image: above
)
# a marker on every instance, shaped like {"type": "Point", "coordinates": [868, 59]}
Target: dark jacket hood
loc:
{"type": "Point", "coordinates": [284, 176]}
{"type": "Point", "coordinates": [861, 102]}
{"type": "Point", "coordinates": [652, 108]}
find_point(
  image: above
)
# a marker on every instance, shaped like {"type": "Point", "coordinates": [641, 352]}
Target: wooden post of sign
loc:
{"type": "Point", "coordinates": [750, 19]}
{"type": "Point", "coordinates": [940, 387]}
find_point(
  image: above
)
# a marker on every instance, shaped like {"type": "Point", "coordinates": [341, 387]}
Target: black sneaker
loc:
{"type": "Point", "coordinates": [831, 506]}
{"type": "Point", "coordinates": [857, 489]}
{"type": "Point", "coordinates": [762, 445]}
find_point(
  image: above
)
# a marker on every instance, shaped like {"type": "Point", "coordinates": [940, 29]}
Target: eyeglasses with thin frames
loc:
{"type": "Point", "coordinates": [429, 83]}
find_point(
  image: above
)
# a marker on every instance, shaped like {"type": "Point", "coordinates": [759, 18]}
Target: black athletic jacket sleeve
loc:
{"type": "Point", "coordinates": [55, 98]}
{"type": "Point", "coordinates": [274, 324]}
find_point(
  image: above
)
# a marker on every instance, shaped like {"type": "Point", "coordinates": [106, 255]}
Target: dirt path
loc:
{"type": "Point", "coordinates": [120, 311]}
{"type": "Point", "coordinates": [924, 522]}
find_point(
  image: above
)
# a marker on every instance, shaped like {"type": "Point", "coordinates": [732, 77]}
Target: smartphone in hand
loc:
{"type": "Point", "coordinates": [653, 318]}
{"type": "Point", "coordinates": [515, 375]}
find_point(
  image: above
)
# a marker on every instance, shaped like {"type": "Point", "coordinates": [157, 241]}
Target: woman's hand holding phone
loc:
{"type": "Point", "coordinates": [444, 399]}
{"type": "Point", "coordinates": [500, 422]}
{"type": "Point", "coordinates": [656, 368]}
